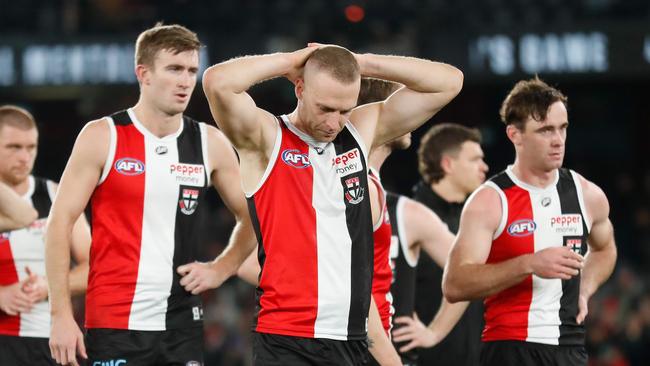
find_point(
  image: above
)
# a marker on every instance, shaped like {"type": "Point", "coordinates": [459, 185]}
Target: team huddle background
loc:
{"type": "Point", "coordinates": [71, 61]}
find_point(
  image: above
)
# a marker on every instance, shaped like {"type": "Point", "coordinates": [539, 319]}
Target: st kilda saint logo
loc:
{"type": "Point", "coordinates": [353, 190]}
{"type": "Point", "coordinates": [575, 244]}
{"type": "Point", "coordinates": [189, 201]}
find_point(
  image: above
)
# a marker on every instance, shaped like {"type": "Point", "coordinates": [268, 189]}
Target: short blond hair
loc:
{"type": "Point", "coordinates": [174, 37]}
{"type": "Point", "coordinates": [336, 61]}
{"type": "Point", "coordinates": [12, 115]}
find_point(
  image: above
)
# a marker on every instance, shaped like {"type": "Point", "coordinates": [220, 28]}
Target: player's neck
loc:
{"type": "Point", "coordinates": [449, 191]}
{"type": "Point", "coordinates": [533, 177]}
{"type": "Point", "coordinates": [160, 124]}
{"type": "Point", "coordinates": [294, 118]}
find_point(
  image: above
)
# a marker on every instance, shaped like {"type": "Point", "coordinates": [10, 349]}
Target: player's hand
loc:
{"type": "Point", "coordinates": [199, 276]}
{"type": "Point", "coordinates": [583, 310]}
{"type": "Point", "coordinates": [414, 332]}
{"type": "Point", "coordinates": [298, 60]}
{"type": "Point", "coordinates": [35, 286]}
{"type": "Point", "coordinates": [557, 262]}
{"type": "Point", "coordinates": [66, 340]}
{"type": "Point", "coordinates": [13, 300]}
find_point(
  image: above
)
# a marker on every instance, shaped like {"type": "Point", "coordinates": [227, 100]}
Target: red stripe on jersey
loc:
{"type": "Point", "coordinates": [9, 324]}
{"type": "Point", "coordinates": [506, 313]}
{"type": "Point", "coordinates": [117, 206]}
{"type": "Point", "coordinates": [289, 279]}
{"type": "Point", "coordinates": [383, 274]}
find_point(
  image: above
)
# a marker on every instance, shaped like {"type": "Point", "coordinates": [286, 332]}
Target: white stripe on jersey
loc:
{"type": "Point", "coordinates": [148, 311]}
{"type": "Point", "coordinates": [581, 199]}
{"type": "Point", "coordinates": [28, 249]}
{"type": "Point", "coordinates": [112, 146]}
{"type": "Point", "coordinates": [334, 248]}
{"type": "Point", "coordinates": [544, 315]}
{"type": "Point", "coordinates": [504, 207]}
{"type": "Point", "coordinates": [401, 230]}
{"type": "Point", "coordinates": [204, 150]}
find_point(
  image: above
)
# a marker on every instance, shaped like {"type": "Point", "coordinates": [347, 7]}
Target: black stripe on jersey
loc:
{"type": "Point", "coordinates": [570, 332]}
{"type": "Point", "coordinates": [41, 198]}
{"type": "Point", "coordinates": [261, 255]}
{"type": "Point", "coordinates": [359, 222]}
{"type": "Point", "coordinates": [184, 309]}
{"type": "Point", "coordinates": [121, 118]}
{"type": "Point", "coordinates": [502, 180]}
{"type": "Point", "coordinates": [403, 286]}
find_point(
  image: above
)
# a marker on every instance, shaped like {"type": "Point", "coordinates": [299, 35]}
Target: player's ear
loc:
{"type": "Point", "coordinates": [299, 87]}
{"type": "Point", "coordinates": [446, 163]}
{"type": "Point", "coordinates": [514, 134]}
{"type": "Point", "coordinates": [142, 74]}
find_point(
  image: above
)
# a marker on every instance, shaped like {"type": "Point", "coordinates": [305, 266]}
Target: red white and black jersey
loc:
{"type": "Point", "coordinates": [537, 310]}
{"type": "Point", "coordinates": [26, 248]}
{"type": "Point", "coordinates": [311, 214]}
{"type": "Point", "coordinates": [144, 225]}
{"type": "Point", "coordinates": [404, 267]}
{"type": "Point", "coordinates": [383, 274]}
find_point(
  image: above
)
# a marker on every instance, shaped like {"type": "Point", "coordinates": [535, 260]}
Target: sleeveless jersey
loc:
{"type": "Point", "coordinates": [144, 225]}
{"type": "Point", "coordinates": [313, 223]}
{"type": "Point", "coordinates": [26, 247]}
{"type": "Point", "coordinates": [537, 310]}
{"type": "Point", "coordinates": [382, 273]}
{"type": "Point", "coordinates": [404, 268]}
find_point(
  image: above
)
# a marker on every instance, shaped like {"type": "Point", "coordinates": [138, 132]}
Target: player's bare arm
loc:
{"type": "Point", "coordinates": [425, 231]}
{"type": "Point", "coordinates": [226, 85]}
{"type": "Point", "coordinates": [601, 257]}
{"type": "Point", "coordinates": [80, 250]}
{"type": "Point", "coordinates": [36, 286]}
{"type": "Point", "coordinates": [249, 271]}
{"type": "Point", "coordinates": [198, 277]}
{"type": "Point", "coordinates": [78, 181]}
{"type": "Point", "coordinates": [468, 277]}
{"type": "Point", "coordinates": [428, 86]}
{"type": "Point", "coordinates": [379, 344]}
{"type": "Point", "coordinates": [15, 212]}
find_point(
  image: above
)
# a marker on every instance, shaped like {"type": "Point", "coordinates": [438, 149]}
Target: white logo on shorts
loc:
{"type": "Point", "coordinates": [197, 313]}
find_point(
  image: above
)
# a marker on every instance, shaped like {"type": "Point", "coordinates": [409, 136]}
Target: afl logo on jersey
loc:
{"type": "Point", "coordinates": [523, 227]}
{"type": "Point", "coordinates": [129, 166]}
{"type": "Point", "coordinates": [295, 159]}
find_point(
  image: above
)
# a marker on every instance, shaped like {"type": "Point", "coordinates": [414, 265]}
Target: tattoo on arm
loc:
{"type": "Point", "coordinates": [371, 342]}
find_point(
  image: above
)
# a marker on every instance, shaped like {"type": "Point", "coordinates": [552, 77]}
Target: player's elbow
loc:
{"type": "Point", "coordinates": [25, 220]}
{"type": "Point", "coordinates": [451, 289]}
{"type": "Point", "coordinates": [457, 78]}
{"type": "Point", "coordinates": [214, 81]}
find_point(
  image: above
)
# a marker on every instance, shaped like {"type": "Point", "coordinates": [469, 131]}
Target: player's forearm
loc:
{"type": "Point", "coordinates": [15, 211]}
{"type": "Point", "coordinates": [447, 317]}
{"type": "Point", "coordinates": [78, 281]}
{"type": "Point", "coordinates": [475, 281]}
{"type": "Point", "coordinates": [57, 264]}
{"type": "Point", "coordinates": [597, 269]}
{"type": "Point", "coordinates": [249, 271]}
{"type": "Point", "coordinates": [379, 344]}
{"type": "Point", "coordinates": [242, 243]}
{"type": "Point", "coordinates": [416, 74]}
{"type": "Point", "coordinates": [239, 74]}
